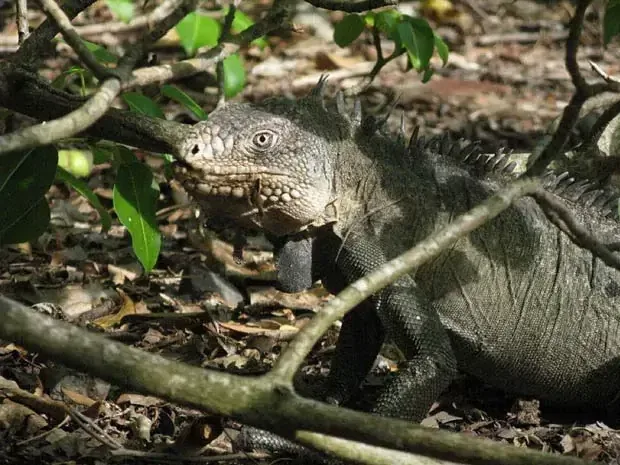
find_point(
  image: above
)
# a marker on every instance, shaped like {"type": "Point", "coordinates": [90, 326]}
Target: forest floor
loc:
{"type": "Point", "coordinates": [504, 85]}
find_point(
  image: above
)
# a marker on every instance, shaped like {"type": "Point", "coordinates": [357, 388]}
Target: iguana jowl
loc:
{"type": "Point", "coordinates": [516, 303]}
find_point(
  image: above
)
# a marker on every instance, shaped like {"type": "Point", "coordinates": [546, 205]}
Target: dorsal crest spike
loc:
{"type": "Point", "coordinates": [401, 128]}
{"type": "Point", "coordinates": [356, 117]}
{"type": "Point", "coordinates": [340, 105]}
{"type": "Point", "coordinates": [317, 93]}
{"type": "Point", "coordinates": [413, 140]}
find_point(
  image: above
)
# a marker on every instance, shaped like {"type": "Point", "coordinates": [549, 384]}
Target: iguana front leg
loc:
{"type": "Point", "coordinates": [412, 324]}
{"type": "Point", "coordinates": [404, 313]}
{"type": "Point", "coordinates": [302, 260]}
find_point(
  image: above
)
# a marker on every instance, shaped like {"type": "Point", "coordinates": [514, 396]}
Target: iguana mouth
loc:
{"type": "Point", "coordinates": [262, 186]}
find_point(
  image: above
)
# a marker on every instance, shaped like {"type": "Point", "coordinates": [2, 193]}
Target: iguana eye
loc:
{"type": "Point", "coordinates": [264, 140]}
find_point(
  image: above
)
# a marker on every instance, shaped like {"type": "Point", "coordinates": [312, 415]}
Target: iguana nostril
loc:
{"type": "Point", "coordinates": [195, 149]}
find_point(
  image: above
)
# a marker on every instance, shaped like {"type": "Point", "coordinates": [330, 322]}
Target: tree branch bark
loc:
{"type": "Point", "coordinates": [268, 402]}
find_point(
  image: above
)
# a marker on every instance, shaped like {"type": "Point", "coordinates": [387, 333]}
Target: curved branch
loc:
{"type": "Point", "coordinates": [31, 49]}
{"type": "Point", "coordinates": [25, 93]}
{"type": "Point", "coordinates": [55, 14]}
{"type": "Point", "coordinates": [97, 105]}
{"type": "Point", "coordinates": [22, 20]}
{"type": "Point", "coordinates": [583, 91]}
{"type": "Point", "coordinates": [357, 6]}
{"type": "Point", "coordinates": [560, 215]}
{"type": "Point", "coordinates": [275, 18]}
{"type": "Point", "coordinates": [65, 126]}
{"type": "Point", "coordinates": [290, 361]}
{"type": "Point", "coordinates": [257, 400]}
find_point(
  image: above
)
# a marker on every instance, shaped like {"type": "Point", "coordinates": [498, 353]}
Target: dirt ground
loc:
{"type": "Point", "coordinates": [505, 83]}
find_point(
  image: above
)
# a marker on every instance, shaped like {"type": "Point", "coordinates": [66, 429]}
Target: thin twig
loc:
{"type": "Point", "coordinates": [97, 105]}
{"type": "Point", "coordinates": [614, 82]}
{"type": "Point", "coordinates": [583, 91]}
{"type": "Point", "coordinates": [55, 13]}
{"type": "Point", "coordinates": [560, 215]}
{"type": "Point", "coordinates": [22, 21]}
{"type": "Point", "coordinates": [93, 429]}
{"type": "Point", "coordinates": [351, 6]}
{"type": "Point", "coordinates": [31, 49]}
{"type": "Point", "coordinates": [221, 93]}
{"type": "Point", "coordinates": [274, 19]}
{"type": "Point", "coordinates": [255, 401]}
{"type": "Point", "coordinates": [290, 361]}
{"type": "Point", "coordinates": [176, 458]}
{"type": "Point", "coordinates": [601, 123]}
{"type": "Point", "coordinates": [45, 433]}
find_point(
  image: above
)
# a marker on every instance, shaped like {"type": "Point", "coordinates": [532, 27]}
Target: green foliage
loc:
{"type": "Point", "coordinates": [611, 22]}
{"type": "Point", "coordinates": [197, 30]}
{"type": "Point", "coordinates": [124, 156]}
{"type": "Point", "coordinates": [100, 53]}
{"type": "Point", "coordinates": [413, 36]}
{"type": "Point", "coordinates": [349, 29]}
{"type": "Point", "coordinates": [234, 75]}
{"type": "Point", "coordinates": [123, 9]}
{"type": "Point", "coordinates": [418, 39]}
{"type": "Point", "coordinates": [25, 177]}
{"type": "Point", "coordinates": [241, 22]}
{"type": "Point", "coordinates": [135, 200]}
{"type": "Point", "coordinates": [142, 104]}
{"type": "Point", "coordinates": [82, 188]}
{"type": "Point", "coordinates": [176, 94]}
{"type": "Point", "coordinates": [442, 49]}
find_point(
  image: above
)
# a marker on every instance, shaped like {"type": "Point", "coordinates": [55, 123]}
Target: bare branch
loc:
{"type": "Point", "coordinates": [24, 92]}
{"type": "Point", "coordinates": [230, 16]}
{"type": "Point", "coordinates": [22, 21]}
{"type": "Point", "coordinates": [358, 452]}
{"type": "Point", "coordinates": [572, 46]}
{"type": "Point", "coordinates": [55, 13]}
{"type": "Point", "coordinates": [275, 18]}
{"type": "Point", "coordinates": [583, 91]}
{"type": "Point", "coordinates": [66, 126]}
{"type": "Point", "coordinates": [82, 118]}
{"type": "Point", "coordinates": [560, 215]}
{"type": "Point", "coordinates": [248, 399]}
{"type": "Point", "coordinates": [290, 361]}
{"type": "Point", "coordinates": [30, 51]}
{"type": "Point", "coordinates": [351, 6]}
{"type": "Point", "coordinates": [601, 123]}
{"type": "Point", "coordinates": [614, 83]}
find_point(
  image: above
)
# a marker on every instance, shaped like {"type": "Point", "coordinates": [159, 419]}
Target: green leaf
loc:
{"type": "Point", "coordinates": [139, 103]}
{"type": "Point", "coordinates": [442, 49]}
{"type": "Point", "coordinates": [30, 225]}
{"type": "Point", "coordinates": [349, 29]}
{"type": "Point", "coordinates": [135, 200]}
{"type": "Point", "coordinates": [102, 153]}
{"type": "Point", "coordinates": [123, 9]}
{"type": "Point", "coordinates": [197, 30]}
{"type": "Point", "coordinates": [386, 21]}
{"type": "Point", "coordinates": [100, 53]}
{"type": "Point", "coordinates": [25, 177]}
{"type": "Point", "coordinates": [125, 156]}
{"type": "Point", "coordinates": [418, 38]}
{"type": "Point", "coordinates": [241, 22]}
{"type": "Point", "coordinates": [82, 188]}
{"type": "Point", "coordinates": [611, 22]}
{"type": "Point", "coordinates": [181, 97]}
{"type": "Point", "coordinates": [234, 75]}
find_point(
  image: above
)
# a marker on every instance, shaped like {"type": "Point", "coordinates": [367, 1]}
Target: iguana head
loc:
{"type": "Point", "coordinates": [268, 165]}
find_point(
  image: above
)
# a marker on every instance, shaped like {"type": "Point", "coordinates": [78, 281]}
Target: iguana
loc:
{"type": "Point", "coordinates": [516, 303]}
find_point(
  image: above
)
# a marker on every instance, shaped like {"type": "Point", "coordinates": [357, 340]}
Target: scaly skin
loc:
{"type": "Point", "coordinates": [516, 303]}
